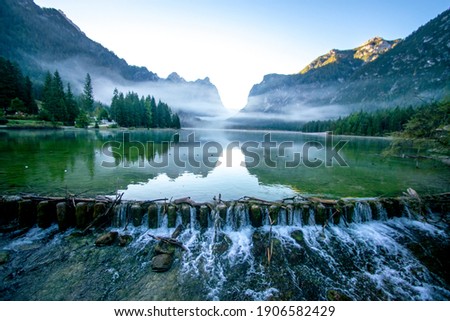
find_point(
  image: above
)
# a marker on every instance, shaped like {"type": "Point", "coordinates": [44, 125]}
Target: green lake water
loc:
{"type": "Point", "coordinates": [150, 164]}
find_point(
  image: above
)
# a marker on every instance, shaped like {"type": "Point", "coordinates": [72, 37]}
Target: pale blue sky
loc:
{"type": "Point", "coordinates": [236, 43]}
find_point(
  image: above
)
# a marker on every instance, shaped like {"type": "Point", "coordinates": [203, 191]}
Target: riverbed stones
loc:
{"type": "Point", "coordinates": [162, 262]}
{"type": "Point", "coordinates": [153, 216]}
{"type": "Point", "coordinates": [221, 244]}
{"type": "Point", "coordinates": [335, 295]}
{"type": "Point", "coordinates": [164, 248]}
{"type": "Point", "coordinates": [27, 213]}
{"type": "Point", "coordinates": [107, 239]}
{"type": "Point", "coordinates": [45, 214]}
{"type": "Point", "coordinates": [124, 240]}
{"type": "Point", "coordinates": [4, 257]}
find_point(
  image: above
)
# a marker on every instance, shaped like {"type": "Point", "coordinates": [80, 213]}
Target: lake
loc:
{"type": "Point", "coordinates": [203, 163]}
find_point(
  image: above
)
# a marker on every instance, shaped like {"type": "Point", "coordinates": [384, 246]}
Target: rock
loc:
{"type": "Point", "coordinates": [305, 215]}
{"type": "Point", "coordinates": [221, 243]}
{"type": "Point", "coordinates": [274, 212]}
{"type": "Point", "coordinates": [162, 262]}
{"type": "Point", "coordinates": [82, 215]}
{"type": "Point", "coordinates": [298, 236]}
{"type": "Point", "coordinates": [153, 216]}
{"type": "Point", "coordinates": [61, 216]}
{"type": "Point", "coordinates": [99, 210]}
{"type": "Point", "coordinates": [164, 248]}
{"type": "Point", "coordinates": [186, 214]}
{"type": "Point", "coordinates": [171, 216]}
{"type": "Point", "coordinates": [9, 209]}
{"type": "Point", "coordinates": [106, 239]}
{"type": "Point", "coordinates": [335, 295]}
{"type": "Point", "coordinates": [393, 207]}
{"type": "Point", "coordinates": [45, 214]}
{"type": "Point", "coordinates": [125, 239]}
{"type": "Point", "coordinates": [4, 257]}
{"type": "Point", "coordinates": [255, 216]}
{"type": "Point", "coordinates": [321, 215]}
{"type": "Point", "coordinates": [27, 213]}
{"type": "Point", "coordinates": [177, 231]}
{"type": "Point", "coordinates": [222, 208]}
{"type": "Point", "coordinates": [203, 216]}
{"type": "Point", "coordinates": [136, 214]}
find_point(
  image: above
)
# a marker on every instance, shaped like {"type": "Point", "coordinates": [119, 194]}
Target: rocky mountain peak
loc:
{"type": "Point", "coordinates": [373, 48]}
{"type": "Point", "coordinates": [174, 77]}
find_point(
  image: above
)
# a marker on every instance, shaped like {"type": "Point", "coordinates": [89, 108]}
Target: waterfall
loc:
{"type": "Point", "coordinates": [363, 249]}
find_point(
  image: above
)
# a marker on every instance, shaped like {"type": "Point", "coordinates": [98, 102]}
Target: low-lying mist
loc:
{"type": "Point", "coordinates": [197, 99]}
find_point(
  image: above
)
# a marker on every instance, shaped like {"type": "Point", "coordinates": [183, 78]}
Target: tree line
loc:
{"type": "Point", "coordinates": [377, 123]}
{"type": "Point", "coordinates": [131, 111]}
{"type": "Point", "coordinates": [16, 91]}
{"type": "Point", "coordinates": [58, 104]}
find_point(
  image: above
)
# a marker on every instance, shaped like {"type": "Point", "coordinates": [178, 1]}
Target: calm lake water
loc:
{"type": "Point", "coordinates": [151, 164]}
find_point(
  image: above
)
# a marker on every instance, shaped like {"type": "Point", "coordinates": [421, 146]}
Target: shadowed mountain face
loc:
{"type": "Point", "coordinates": [41, 39]}
{"type": "Point", "coordinates": [377, 74]}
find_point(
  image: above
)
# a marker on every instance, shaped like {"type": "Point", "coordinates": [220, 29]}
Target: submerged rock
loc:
{"type": "Point", "coordinates": [125, 239]}
{"type": "Point", "coordinates": [4, 257]}
{"type": "Point", "coordinates": [164, 248]}
{"type": "Point", "coordinates": [162, 262]}
{"type": "Point", "coordinates": [335, 295]}
{"type": "Point", "coordinates": [106, 239]}
{"type": "Point", "coordinates": [222, 244]}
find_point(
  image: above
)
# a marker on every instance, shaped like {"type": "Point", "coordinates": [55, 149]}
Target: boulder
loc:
{"type": "Point", "coordinates": [125, 239]}
{"type": "Point", "coordinates": [221, 244]}
{"type": "Point", "coordinates": [106, 239]}
{"type": "Point", "coordinates": [164, 248]}
{"type": "Point", "coordinates": [162, 262]}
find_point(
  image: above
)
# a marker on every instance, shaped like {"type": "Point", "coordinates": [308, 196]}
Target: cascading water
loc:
{"type": "Point", "coordinates": [358, 251]}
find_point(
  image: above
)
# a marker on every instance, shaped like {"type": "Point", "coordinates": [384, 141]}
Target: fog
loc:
{"type": "Point", "coordinates": [197, 98]}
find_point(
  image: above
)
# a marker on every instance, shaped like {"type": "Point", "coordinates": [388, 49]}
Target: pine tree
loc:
{"type": "Point", "coordinates": [88, 96]}
{"type": "Point", "coordinates": [30, 103]}
{"type": "Point", "coordinates": [71, 106]}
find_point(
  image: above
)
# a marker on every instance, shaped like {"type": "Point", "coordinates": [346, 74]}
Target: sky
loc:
{"type": "Point", "coordinates": [236, 42]}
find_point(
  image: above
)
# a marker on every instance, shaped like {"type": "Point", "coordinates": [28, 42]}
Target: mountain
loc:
{"type": "Point", "coordinates": [41, 39]}
{"type": "Point", "coordinates": [377, 74]}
